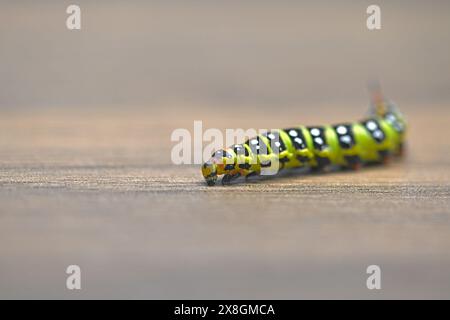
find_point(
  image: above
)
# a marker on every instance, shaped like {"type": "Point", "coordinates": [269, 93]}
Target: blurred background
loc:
{"type": "Point", "coordinates": [261, 53]}
{"type": "Point", "coordinates": [85, 170]}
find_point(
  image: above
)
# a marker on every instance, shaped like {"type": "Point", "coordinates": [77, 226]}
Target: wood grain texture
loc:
{"type": "Point", "coordinates": [96, 188]}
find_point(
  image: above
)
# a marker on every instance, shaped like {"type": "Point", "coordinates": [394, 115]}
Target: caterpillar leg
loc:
{"type": "Point", "coordinates": [353, 162]}
{"type": "Point", "coordinates": [228, 178]}
{"type": "Point", "coordinates": [322, 164]}
{"type": "Point", "coordinates": [355, 166]}
{"type": "Point", "coordinates": [385, 157]}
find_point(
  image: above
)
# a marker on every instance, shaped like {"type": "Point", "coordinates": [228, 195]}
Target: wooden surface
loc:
{"type": "Point", "coordinates": [96, 188]}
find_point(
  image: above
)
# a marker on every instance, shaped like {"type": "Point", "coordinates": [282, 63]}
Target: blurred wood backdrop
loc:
{"type": "Point", "coordinates": [85, 170]}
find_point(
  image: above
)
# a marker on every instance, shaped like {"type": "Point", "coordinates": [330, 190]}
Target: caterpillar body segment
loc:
{"type": "Point", "coordinates": [374, 139]}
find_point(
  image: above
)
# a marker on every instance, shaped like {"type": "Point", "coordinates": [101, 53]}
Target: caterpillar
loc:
{"type": "Point", "coordinates": [350, 145]}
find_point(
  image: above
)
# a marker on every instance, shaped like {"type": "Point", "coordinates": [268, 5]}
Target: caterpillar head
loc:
{"type": "Point", "coordinates": [221, 162]}
{"type": "Point", "coordinates": [209, 171]}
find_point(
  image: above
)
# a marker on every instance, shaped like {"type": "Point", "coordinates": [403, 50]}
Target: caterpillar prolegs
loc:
{"type": "Point", "coordinates": [348, 145]}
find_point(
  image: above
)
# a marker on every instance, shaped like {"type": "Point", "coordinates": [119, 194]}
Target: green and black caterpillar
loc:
{"type": "Point", "coordinates": [374, 139]}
